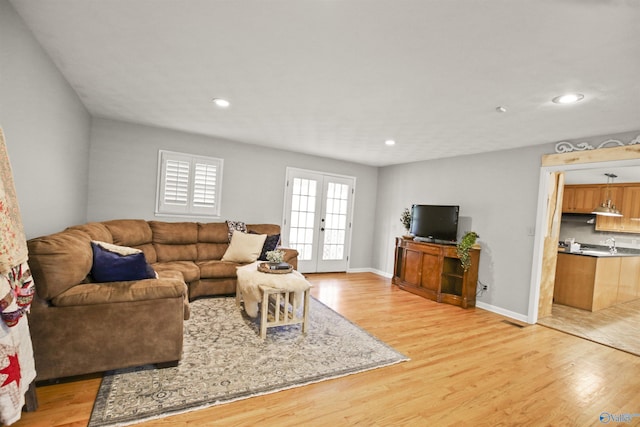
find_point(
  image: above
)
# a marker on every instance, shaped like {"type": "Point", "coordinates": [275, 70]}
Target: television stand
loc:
{"type": "Point", "coordinates": [434, 271]}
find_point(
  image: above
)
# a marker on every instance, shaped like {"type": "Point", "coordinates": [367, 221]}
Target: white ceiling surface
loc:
{"type": "Point", "coordinates": [597, 175]}
{"type": "Point", "coordinates": [336, 78]}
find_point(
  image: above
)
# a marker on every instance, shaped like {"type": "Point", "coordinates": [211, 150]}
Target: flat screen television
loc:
{"type": "Point", "coordinates": [435, 223]}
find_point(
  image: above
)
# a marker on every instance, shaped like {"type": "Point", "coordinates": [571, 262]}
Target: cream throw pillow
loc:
{"type": "Point", "coordinates": [244, 247]}
{"type": "Point", "coordinates": [120, 250]}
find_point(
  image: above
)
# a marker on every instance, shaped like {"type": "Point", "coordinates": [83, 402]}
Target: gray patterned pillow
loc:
{"type": "Point", "coordinates": [236, 225]}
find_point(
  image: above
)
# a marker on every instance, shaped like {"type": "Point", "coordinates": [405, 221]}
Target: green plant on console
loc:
{"type": "Point", "coordinates": [463, 247]}
{"type": "Point", "coordinates": [405, 219]}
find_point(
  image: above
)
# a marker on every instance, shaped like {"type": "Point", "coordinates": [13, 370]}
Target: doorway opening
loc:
{"type": "Point", "coordinates": [549, 198]}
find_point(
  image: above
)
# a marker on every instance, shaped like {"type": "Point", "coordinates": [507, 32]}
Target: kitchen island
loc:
{"type": "Point", "coordinates": [595, 279]}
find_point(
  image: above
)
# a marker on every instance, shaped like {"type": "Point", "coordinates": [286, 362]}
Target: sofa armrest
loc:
{"type": "Point", "coordinates": [290, 256]}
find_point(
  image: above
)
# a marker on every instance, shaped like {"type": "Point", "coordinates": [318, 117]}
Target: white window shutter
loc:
{"type": "Point", "coordinates": [188, 184]}
{"type": "Point", "coordinates": [176, 182]}
{"type": "Point", "coordinates": [205, 187]}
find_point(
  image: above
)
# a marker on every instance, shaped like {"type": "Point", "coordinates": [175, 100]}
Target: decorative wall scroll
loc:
{"type": "Point", "coordinates": [567, 147]}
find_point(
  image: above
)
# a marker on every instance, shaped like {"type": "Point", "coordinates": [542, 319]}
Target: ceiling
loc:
{"type": "Point", "coordinates": [597, 175]}
{"type": "Point", "coordinates": [336, 78]}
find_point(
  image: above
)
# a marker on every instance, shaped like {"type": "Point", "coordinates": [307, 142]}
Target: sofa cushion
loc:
{"type": "Point", "coordinates": [244, 248]}
{"type": "Point", "coordinates": [170, 253]}
{"type": "Point", "coordinates": [270, 244]}
{"type": "Point", "coordinates": [213, 232]}
{"type": "Point", "coordinates": [174, 233]}
{"type": "Point", "coordinates": [95, 230]}
{"type": "Point", "coordinates": [113, 263]}
{"type": "Point", "coordinates": [217, 269]}
{"type": "Point", "coordinates": [264, 228]}
{"type": "Point", "coordinates": [235, 226]}
{"type": "Point", "coordinates": [149, 252]}
{"type": "Point", "coordinates": [189, 269]}
{"type": "Point", "coordinates": [59, 261]}
{"type": "Point", "coordinates": [129, 232]}
{"type": "Point", "coordinates": [211, 251]}
{"type": "Point", "coordinates": [116, 292]}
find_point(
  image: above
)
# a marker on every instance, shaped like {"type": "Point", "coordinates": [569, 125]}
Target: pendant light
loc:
{"type": "Point", "coordinates": [607, 208]}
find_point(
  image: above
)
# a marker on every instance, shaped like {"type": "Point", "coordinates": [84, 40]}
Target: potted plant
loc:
{"type": "Point", "coordinates": [405, 219]}
{"type": "Point", "coordinates": [463, 247]}
{"type": "Point", "coordinates": [275, 257]}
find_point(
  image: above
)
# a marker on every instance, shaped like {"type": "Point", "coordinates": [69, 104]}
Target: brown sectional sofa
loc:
{"type": "Point", "coordinates": [78, 326]}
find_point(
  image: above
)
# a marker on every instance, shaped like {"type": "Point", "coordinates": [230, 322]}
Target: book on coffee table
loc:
{"type": "Point", "coordinates": [279, 266]}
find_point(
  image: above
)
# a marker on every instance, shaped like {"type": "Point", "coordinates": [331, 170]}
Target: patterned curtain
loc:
{"type": "Point", "coordinates": [17, 368]}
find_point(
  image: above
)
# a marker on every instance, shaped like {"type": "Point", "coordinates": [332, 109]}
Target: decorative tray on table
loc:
{"type": "Point", "coordinates": [275, 267]}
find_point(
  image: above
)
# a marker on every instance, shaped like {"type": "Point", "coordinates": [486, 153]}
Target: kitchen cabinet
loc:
{"type": "Point", "coordinates": [434, 271]}
{"type": "Point", "coordinates": [629, 281]}
{"type": "Point", "coordinates": [581, 198]}
{"type": "Point", "coordinates": [627, 200]}
{"type": "Point", "coordinates": [593, 283]}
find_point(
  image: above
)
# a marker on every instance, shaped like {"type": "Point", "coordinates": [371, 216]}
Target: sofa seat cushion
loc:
{"type": "Point", "coordinates": [189, 269]}
{"type": "Point", "coordinates": [213, 269]}
{"type": "Point", "coordinates": [118, 292]}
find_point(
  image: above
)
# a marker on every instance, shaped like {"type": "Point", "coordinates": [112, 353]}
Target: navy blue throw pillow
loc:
{"type": "Point", "coordinates": [111, 266]}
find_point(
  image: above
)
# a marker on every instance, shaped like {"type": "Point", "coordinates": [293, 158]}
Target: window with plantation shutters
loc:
{"type": "Point", "coordinates": [188, 184]}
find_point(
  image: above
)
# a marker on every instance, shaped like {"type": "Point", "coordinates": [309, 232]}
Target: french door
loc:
{"type": "Point", "coordinates": [317, 219]}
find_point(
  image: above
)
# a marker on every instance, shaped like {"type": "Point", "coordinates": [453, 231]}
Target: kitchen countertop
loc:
{"type": "Point", "coordinates": [600, 252]}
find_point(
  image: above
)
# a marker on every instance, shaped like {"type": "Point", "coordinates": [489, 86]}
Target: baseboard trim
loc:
{"type": "Point", "coordinates": [370, 270]}
{"type": "Point", "coordinates": [502, 311]}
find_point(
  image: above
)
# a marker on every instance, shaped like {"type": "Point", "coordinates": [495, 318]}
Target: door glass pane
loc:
{"type": "Point", "coordinates": [303, 205]}
{"type": "Point", "coordinates": [335, 221]}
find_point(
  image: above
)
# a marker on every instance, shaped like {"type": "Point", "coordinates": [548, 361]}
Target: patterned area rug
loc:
{"type": "Point", "coordinates": [225, 360]}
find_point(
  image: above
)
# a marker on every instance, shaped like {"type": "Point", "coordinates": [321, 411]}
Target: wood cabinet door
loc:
{"type": "Point", "coordinates": [627, 200]}
{"type": "Point", "coordinates": [568, 199]}
{"type": "Point", "coordinates": [581, 198]}
{"type": "Point", "coordinates": [575, 276]}
{"type": "Point", "coordinates": [431, 268]}
{"type": "Point", "coordinates": [586, 198]}
{"type": "Point", "coordinates": [631, 209]}
{"type": "Point", "coordinates": [629, 281]}
{"type": "Point", "coordinates": [412, 268]}
{"type": "Point", "coordinates": [611, 223]}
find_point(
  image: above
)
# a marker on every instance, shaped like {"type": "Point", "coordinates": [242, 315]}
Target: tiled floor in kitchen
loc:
{"type": "Point", "coordinates": [615, 326]}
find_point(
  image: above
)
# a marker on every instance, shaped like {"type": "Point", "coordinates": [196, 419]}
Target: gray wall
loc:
{"type": "Point", "coordinates": [123, 174]}
{"type": "Point", "coordinates": [46, 128]}
{"type": "Point", "coordinates": [497, 193]}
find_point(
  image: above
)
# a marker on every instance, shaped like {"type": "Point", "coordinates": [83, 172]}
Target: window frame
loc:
{"type": "Point", "coordinates": [189, 209]}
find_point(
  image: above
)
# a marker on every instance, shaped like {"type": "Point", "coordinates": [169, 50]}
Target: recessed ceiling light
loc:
{"type": "Point", "coordinates": [390, 142]}
{"type": "Point", "coordinates": [222, 103]}
{"type": "Point", "coordinates": [568, 98]}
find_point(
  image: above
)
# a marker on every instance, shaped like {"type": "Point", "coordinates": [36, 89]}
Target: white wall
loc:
{"type": "Point", "coordinates": [497, 193]}
{"type": "Point", "coordinates": [123, 172]}
{"type": "Point", "coordinates": [46, 128]}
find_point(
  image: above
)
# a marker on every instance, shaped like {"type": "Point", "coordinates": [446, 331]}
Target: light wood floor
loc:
{"type": "Point", "coordinates": [468, 367]}
{"type": "Point", "coordinates": [617, 326]}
